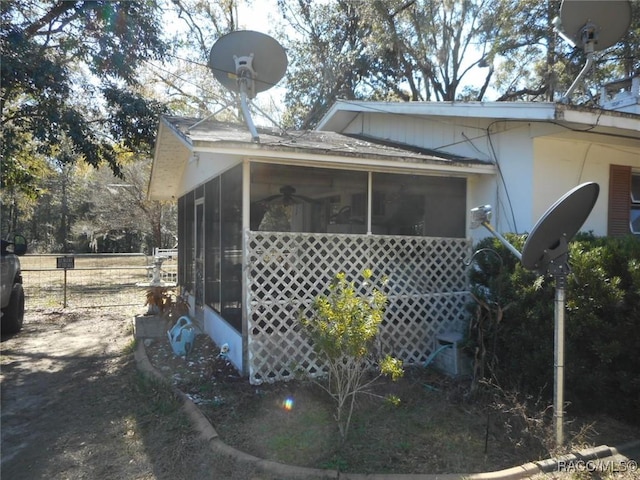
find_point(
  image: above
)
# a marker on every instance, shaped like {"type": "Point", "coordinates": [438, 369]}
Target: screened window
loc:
{"type": "Point", "coordinates": [212, 243]}
{"type": "Point", "coordinates": [304, 199]}
{"type": "Point", "coordinates": [189, 226]}
{"type": "Point", "coordinates": [231, 246]}
{"type": "Point", "coordinates": [182, 243]}
{"type": "Point", "coordinates": [419, 205]}
{"type": "Point", "coordinates": [213, 263]}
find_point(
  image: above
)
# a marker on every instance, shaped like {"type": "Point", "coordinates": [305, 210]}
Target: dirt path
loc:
{"type": "Point", "coordinates": [74, 407]}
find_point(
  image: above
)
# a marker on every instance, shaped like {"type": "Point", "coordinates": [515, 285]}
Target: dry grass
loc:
{"type": "Point", "coordinates": [103, 280]}
{"type": "Point", "coordinates": [434, 430]}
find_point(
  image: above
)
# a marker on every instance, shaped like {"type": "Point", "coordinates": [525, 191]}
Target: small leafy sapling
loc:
{"type": "Point", "coordinates": [343, 329]}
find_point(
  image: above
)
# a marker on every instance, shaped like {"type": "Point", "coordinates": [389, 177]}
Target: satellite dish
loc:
{"type": "Point", "coordinates": [249, 55]}
{"type": "Point", "coordinates": [601, 22]}
{"type": "Point", "coordinates": [559, 224]}
{"type": "Point", "coordinates": [592, 25]}
{"type": "Point", "coordinates": [247, 62]}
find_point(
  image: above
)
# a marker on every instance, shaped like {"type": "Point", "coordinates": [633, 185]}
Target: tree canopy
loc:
{"type": "Point", "coordinates": [84, 82]}
{"type": "Point", "coordinates": [69, 82]}
{"type": "Point", "coordinates": [425, 50]}
{"type": "Point", "coordinates": [183, 80]}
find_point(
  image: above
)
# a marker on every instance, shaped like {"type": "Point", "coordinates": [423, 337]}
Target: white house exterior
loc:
{"type": "Point", "coordinates": [263, 226]}
{"type": "Point", "coordinates": [540, 151]}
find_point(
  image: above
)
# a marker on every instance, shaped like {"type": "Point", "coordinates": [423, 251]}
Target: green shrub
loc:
{"type": "Point", "coordinates": [602, 335]}
{"type": "Point", "coordinates": [343, 329]}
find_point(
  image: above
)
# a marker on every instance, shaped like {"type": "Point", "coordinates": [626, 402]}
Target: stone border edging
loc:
{"type": "Point", "coordinates": [208, 433]}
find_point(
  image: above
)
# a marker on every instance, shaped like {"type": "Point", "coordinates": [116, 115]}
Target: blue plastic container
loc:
{"type": "Point", "coordinates": [182, 336]}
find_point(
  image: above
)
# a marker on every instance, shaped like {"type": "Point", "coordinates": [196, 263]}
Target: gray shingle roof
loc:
{"type": "Point", "coordinates": [309, 141]}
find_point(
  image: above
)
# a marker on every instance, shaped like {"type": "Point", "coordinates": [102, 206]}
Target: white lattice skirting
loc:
{"type": "Point", "coordinates": [427, 290]}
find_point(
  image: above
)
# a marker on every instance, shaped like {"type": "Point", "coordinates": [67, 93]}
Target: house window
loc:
{"type": "Point", "coordinates": [624, 201]}
{"type": "Point", "coordinates": [634, 220]}
{"type": "Point", "coordinates": [419, 205]}
{"type": "Point", "coordinates": [213, 211]}
{"type": "Point", "coordinates": [288, 198]}
{"type": "Point", "coordinates": [189, 225]}
{"type": "Point", "coordinates": [186, 256]}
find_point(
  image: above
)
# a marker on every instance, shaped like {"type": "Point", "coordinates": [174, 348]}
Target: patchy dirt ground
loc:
{"type": "Point", "coordinates": [74, 406]}
{"type": "Point", "coordinates": [433, 430]}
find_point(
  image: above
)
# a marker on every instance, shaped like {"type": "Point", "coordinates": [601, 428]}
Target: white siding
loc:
{"type": "Point", "coordinates": [204, 166]}
{"type": "Point", "coordinates": [543, 151]}
{"type": "Point", "coordinates": [460, 136]}
{"type": "Point", "coordinates": [561, 164]}
{"type": "Point", "coordinates": [473, 138]}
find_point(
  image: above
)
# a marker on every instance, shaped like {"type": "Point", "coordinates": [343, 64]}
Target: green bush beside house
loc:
{"type": "Point", "coordinates": [602, 336]}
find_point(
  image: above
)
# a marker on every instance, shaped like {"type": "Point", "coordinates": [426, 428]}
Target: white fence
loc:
{"type": "Point", "coordinates": [427, 290]}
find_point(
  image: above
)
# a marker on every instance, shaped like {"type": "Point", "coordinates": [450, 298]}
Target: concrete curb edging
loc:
{"type": "Point", "coordinates": [207, 432]}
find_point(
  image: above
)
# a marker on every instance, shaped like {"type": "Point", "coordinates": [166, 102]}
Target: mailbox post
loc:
{"type": "Point", "coordinates": [67, 262]}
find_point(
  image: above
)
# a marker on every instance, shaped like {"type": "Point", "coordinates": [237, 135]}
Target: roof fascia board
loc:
{"type": "Point", "coordinates": [166, 132]}
{"type": "Point", "coordinates": [184, 139]}
{"type": "Point", "coordinates": [534, 111]}
{"type": "Point", "coordinates": [600, 119]}
{"type": "Point", "coordinates": [156, 153]}
{"type": "Point", "coordinates": [360, 163]}
{"type": "Point", "coordinates": [267, 150]}
{"type": "Point", "coordinates": [495, 110]}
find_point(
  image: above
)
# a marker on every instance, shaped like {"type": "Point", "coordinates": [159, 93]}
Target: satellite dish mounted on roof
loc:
{"type": "Point", "coordinates": [247, 63]}
{"type": "Point", "coordinates": [591, 25]}
{"type": "Point", "coordinates": [547, 252]}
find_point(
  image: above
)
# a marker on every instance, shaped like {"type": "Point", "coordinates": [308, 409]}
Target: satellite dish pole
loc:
{"type": "Point", "coordinates": [546, 251]}
{"type": "Point", "coordinates": [588, 32]}
{"type": "Point", "coordinates": [246, 86]}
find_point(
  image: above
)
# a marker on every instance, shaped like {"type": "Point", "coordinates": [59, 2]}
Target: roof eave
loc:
{"type": "Point", "coordinates": [342, 113]}
{"type": "Point", "coordinates": [343, 159]}
{"type": "Point", "coordinates": [172, 151]}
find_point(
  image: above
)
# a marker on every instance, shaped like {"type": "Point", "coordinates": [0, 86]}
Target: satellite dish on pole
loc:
{"type": "Point", "coordinates": [247, 63]}
{"type": "Point", "coordinates": [592, 25]}
{"type": "Point", "coordinates": [547, 252]}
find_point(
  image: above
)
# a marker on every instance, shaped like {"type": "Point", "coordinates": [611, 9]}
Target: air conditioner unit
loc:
{"type": "Point", "coordinates": [451, 361]}
{"type": "Point", "coordinates": [621, 95]}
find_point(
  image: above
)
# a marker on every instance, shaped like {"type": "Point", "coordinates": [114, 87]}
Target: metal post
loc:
{"type": "Point", "coordinates": [558, 397]}
{"type": "Point", "coordinates": [503, 240]}
{"type": "Point", "coordinates": [246, 113]}
{"type": "Point", "coordinates": [64, 303]}
{"type": "Point", "coordinates": [587, 66]}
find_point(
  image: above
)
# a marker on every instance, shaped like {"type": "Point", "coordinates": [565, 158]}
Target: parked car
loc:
{"type": "Point", "coordinates": [11, 292]}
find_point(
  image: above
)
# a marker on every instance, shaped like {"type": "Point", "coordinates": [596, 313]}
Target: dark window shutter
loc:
{"type": "Point", "coordinates": [619, 200]}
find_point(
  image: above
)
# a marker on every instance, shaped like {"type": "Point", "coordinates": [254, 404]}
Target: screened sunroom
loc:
{"type": "Point", "coordinates": [264, 227]}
